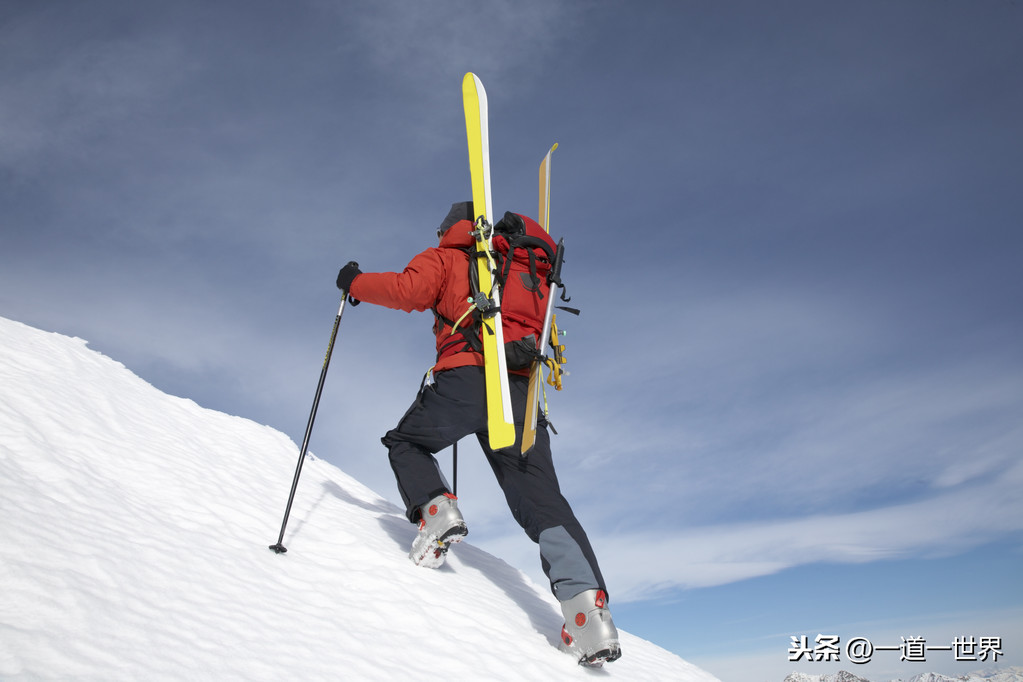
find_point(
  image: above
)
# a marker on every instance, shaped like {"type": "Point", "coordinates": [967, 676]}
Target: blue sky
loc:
{"type": "Point", "coordinates": [796, 387]}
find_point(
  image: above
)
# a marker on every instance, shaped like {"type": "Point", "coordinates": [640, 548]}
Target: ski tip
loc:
{"type": "Point", "coordinates": [472, 87]}
{"type": "Point", "coordinates": [555, 146]}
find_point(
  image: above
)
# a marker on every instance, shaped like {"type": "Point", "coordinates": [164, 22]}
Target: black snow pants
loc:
{"type": "Point", "coordinates": [453, 406]}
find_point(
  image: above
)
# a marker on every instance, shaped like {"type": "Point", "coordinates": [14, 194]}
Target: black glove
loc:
{"type": "Point", "coordinates": [511, 224]}
{"type": "Point", "coordinates": [347, 275]}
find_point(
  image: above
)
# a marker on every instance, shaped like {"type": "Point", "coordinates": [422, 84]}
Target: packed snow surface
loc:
{"type": "Point", "coordinates": [134, 545]}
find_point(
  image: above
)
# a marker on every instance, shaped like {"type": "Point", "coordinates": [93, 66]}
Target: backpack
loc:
{"type": "Point", "coordinates": [523, 255]}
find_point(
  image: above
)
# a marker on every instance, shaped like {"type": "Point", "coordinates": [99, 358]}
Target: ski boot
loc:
{"type": "Point", "coordinates": [440, 526]}
{"type": "Point", "coordinates": [588, 633]}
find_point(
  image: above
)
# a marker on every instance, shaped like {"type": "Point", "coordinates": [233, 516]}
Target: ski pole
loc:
{"type": "Point", "coordinates": [280, 548]}
{"type": "Point", "coordinates": [454, 467]}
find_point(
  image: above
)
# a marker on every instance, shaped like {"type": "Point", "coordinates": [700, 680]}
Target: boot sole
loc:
{"type": "Point", "coordinates": [603, 656]}
{"type": "Point", "coordinates": [607, 651]}
{"type": "Point", "coordinates": [434, 550]}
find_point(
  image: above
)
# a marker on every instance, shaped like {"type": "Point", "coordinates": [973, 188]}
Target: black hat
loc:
{"type": "Point", "coordinates": [459, 211]}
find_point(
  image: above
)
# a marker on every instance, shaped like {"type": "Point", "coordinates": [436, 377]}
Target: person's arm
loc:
{"type": "Point", "coordinates": [417, 287]}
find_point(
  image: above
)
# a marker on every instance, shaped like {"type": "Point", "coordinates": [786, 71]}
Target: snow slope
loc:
{"type": "Point", "coordinates": [133, 545]}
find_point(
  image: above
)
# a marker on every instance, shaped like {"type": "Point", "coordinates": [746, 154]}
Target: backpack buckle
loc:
{"type": "Point", "coordinates": [484, 230]}
{"type": "Point", "coordinates": [484, 304]}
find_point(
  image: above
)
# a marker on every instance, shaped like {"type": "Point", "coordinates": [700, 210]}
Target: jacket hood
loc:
{"type": "Point", "coordinates": [459, 235]}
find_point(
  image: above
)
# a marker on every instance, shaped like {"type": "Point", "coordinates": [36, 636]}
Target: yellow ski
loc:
{"type": "Point", "coordinates": [536, 371]}
{"type": "Point", "coordinates": [500, 422]}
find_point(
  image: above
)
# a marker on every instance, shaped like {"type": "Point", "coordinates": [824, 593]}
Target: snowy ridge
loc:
{"type": "Point", "coordinates": [134, 546]}
{"type": "Point", "coordinates": [840, 676]}
{"type": "Point", "coordinates": [1013, 674]}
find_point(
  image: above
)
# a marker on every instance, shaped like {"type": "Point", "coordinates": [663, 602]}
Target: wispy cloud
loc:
{"type": "Point", "coordinates": [89, 80]}
{"type": "Point", "coordinates": [735, 404]}
{"type": "Point", "coordinates": [647, 564]}
{"type": "Point", "coordinates": [941, 525]}
{"type": "Point", "coordinates": [422, 44]}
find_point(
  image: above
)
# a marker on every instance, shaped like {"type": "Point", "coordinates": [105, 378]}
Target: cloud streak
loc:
{"type": "Point", "coordinates": [648, 565]}
{"type": "Point", "coordinates": [789, 391]}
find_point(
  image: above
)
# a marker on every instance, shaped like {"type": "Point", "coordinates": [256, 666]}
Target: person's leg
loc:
{"type": "Point", "coordinates": [531, 489]}
{"type": "Point", "coordinates": [443, 412]}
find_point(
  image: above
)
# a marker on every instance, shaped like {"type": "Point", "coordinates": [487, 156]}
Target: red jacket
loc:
{"type": "Point", "coordinates": [437, 278]}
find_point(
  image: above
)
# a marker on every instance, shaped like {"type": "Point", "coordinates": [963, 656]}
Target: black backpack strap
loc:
{"type": "Point", "coordinates": [468, 336]}
{"type": "Point", "coordinates": [528, 243]}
